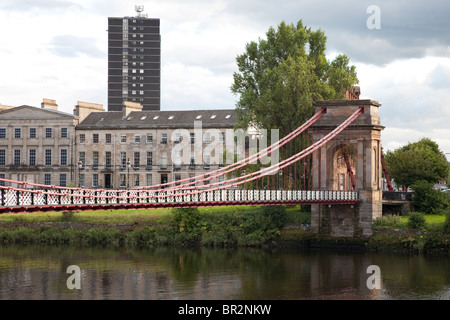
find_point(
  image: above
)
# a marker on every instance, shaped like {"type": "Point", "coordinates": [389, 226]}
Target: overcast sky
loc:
{"type": "Point", "coordinates": [57, 49]}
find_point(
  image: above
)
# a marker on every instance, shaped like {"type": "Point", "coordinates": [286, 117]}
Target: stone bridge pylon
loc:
{"type": "Point", "coordinates": [355, 151]}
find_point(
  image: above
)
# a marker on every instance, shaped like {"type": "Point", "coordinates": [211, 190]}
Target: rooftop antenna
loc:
{"type": "Point", "coordinates": [139, 10]}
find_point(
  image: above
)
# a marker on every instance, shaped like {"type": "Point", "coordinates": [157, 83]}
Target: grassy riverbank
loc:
{"type": "Point", "coordinates": [243, 226]}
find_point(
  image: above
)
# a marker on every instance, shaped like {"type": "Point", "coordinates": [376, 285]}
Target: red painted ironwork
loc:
{"type": "Point", "coordinates": [386, 172]}
{"type": "Point", "coordinates": [349, 167]}
{"type": "Point", "coordinates": [53, 198]}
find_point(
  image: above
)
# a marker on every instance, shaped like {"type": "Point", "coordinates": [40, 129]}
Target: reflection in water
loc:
{"type": "Point", "coordinates": [170, 273]}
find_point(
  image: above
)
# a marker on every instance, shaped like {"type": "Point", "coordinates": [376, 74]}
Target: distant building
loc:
{"type": "Point", "coordinates": [134, 62]}
{"type": "Point", "coordinates": [94, 148]}
{"type": "Point", "coordinates": [136, 148]}
{"type": "Point", "coordinates": [37, 144]}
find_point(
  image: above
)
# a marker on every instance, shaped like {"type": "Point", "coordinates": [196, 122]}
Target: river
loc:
{"type": "Point", "coordinates": [68, 273]}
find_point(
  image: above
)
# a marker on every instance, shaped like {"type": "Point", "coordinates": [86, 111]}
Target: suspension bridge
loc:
{"type": "Point", "coordinates": [331, 162]}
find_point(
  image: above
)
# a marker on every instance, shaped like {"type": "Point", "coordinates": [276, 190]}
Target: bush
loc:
{"type": "Point", "coordinates": [273, 217]}
{"type": "Point", "coordinates": [416, 220]}
{"type": "Point", "coordinates": [186, 219]}
{"type": "Point", "coordinates": [428, 200]}
{"type": "Point", "coordinates": [447, 221]}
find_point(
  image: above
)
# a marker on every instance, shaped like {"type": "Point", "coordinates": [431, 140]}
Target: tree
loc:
{"type": "Point", "coordinates": [421, 160]}
{"type": "Point", "coordinates": [281, 77]}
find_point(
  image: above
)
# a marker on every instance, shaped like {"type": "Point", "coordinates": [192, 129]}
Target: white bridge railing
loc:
{"type": "Point", "coordinates": [11, 197]}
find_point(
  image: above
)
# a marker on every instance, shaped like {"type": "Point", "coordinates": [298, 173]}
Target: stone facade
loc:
{"type": "Point", "coordinates": [115, 149]}
{"type": "Point", "coordinates": [36, 144]}
{"type": "Point", "coordinates": [363, 140]}
{"type": "Point", "coordinates": [136, 148]}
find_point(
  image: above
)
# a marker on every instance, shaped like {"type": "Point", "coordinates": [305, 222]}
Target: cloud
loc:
{"type": "Point", "coordinates": [37, 5]}
{"type": "Point", "coordinates": [71, 46]}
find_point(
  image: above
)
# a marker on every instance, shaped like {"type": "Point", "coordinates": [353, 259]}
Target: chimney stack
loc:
{"type": "Point", "coordinates": [129, 106]}
{"type": "Point", "coordinates": [49, 104]}
{"type": "Point", "coordinates": [83, 109]}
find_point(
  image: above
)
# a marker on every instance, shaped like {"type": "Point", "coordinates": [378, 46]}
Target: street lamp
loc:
{"type": "Point", "coordinates": [80, 166]}
{"type": "Point", "coordinates": [128, 173]}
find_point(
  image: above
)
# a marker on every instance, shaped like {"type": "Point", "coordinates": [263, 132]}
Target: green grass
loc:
{"type": "Point", "coordinates": [432, 221]}
{"type": "Point", "coordinates": [111, 216]}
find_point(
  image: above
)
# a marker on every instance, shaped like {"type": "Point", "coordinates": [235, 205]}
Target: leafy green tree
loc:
{"type": "Point", "coordinates": [421, 160]}
{"type": "Point", "coordinates": [280, 78]}
{"type": "Point", "coordinates": [428, 200]}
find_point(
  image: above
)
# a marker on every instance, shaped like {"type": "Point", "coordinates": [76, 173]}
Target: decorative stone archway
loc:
{"type": "Point", "coordinates": [363, 139]}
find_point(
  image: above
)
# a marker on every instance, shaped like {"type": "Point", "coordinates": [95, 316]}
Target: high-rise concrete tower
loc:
{"type": "Point", "coordinates": [134, 61]}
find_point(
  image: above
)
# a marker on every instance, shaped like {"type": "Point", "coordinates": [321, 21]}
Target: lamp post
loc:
{"type": "Point", "coordinates": [128, 173]}
{"type": "Point", "coordinates": [80, 166]}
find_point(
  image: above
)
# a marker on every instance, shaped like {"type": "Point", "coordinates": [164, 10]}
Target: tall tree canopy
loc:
{"type": "Point", "coordinates": [281, 77]}
{"type": "Point", "coordinates": [421, 160]}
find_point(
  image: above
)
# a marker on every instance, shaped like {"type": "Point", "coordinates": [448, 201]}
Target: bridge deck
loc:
{"type": "Point", "coordinates": [12, 200]}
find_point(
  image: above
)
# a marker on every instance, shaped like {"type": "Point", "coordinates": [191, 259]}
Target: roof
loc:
{"type": "Point", "coordinates": [30, 112]}
{"type": "Point", "coordinates": [159, 119]}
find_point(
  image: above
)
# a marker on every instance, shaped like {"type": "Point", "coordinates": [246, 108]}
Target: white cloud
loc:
{"type": "Point", "coordinates": [58, 49]}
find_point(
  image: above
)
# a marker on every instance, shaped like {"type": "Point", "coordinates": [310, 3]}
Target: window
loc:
{"type": "Point", "coordinates": [2, 157]}
{"type": "Point", "coordinates": [137, 138]}
{"type": "Point", "coordinates": [63, 160]}
{"type": "Point", "coordinates": [82, 138]}
{"type": "Point", "coordinates": [136, 162]}
{"type": "Point", "coordinates": [48, 179]}
{"type": "Point", "coordinates": [17, 157]}
{"type": "Point", "coordinates": [222, 137]}
{"type": "Point", "coordinates": [177, 178]}
{"type": "Point", "coordinates": [213, 116]}
{"type": "Point", "coordinates": [63, 180]}
{"type": "Point", "coordinates": [123, 138]}
{"type": "Point", "coordinates": [136, 180]}
{"type": "Point", "coordinates": [123, 180]}
{"type": "Point", "coordinates": [149, 138]}
{"type": "Point", "coordinates": [177, 137]}
{"type": "Point", "coordinates": [207, 137]}
{"type": "Point", "coordinates": [192, 137]}
{"type": "Point", "coordinates": [108, 162]}
{"type": "Point", "coordinates": [228, 116]}
{"type": "Point", "coordinates": [206, 161]}
{"type": "Point", "coordinates": [2, 176]}
{"type": "Point", "coordinates": [64, 133]}
{"type": "Point", "coordinates": [198, 117]}
{"type": "Point", "coordinates": [95, 180]}
{"type": "Point", "coordinates": [149, 160]}
{"type": "Point", "coordinates": [82, 180]}
{"type": "Point", "coordinates": [32, 133]}
{"type": "Point", "coordinates": [17, 133]}
{"type": "Point", "coordinates": [192, 163]}
{"type": "Point", "coordinates": [123, 159]}
{"type": "Point", "coordinates": [149, 179]}
{"type": "Point", "coordinates": [94, 160]}
{"type": "Point", "coordinates": [2, 133]}
{"type": "Point", "coordinates": [95, 138]}
{"type": "Point", "coordinates": [48, 157]}
{"type": "Point", "coordinates": [82, 157]}
{"type": "Point", "coordinates": [163, 160]}
{"type": "Point", "coordinates": [177, 161]}
{"type": "Point", "coordinates": [108, 138]}
{"type": "Point", "coordinates": [163, 138]}
{"type": "Point", "coordinates": [48, 133]}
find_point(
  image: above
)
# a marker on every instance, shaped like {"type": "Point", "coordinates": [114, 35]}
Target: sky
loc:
{"type": "Point", "coordinates": [57, 49]}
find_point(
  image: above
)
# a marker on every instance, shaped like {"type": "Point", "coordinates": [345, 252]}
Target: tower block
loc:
{"type": "Point", "coordinates": [355, 151]}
